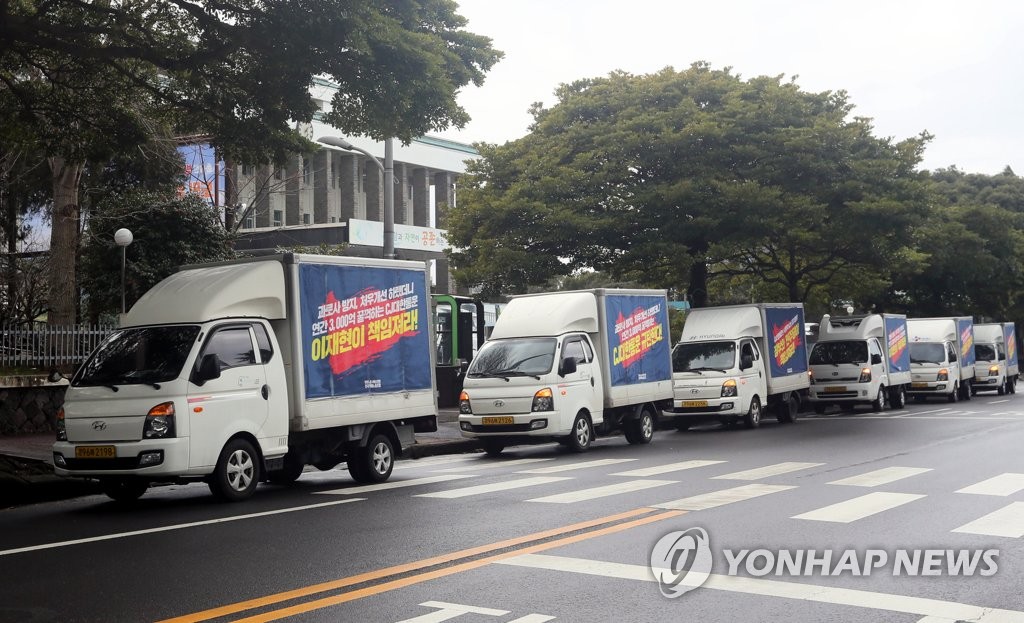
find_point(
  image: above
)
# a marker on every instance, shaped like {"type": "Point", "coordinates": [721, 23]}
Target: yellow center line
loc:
{"type": "Point", "coordinates": [270, 600]}
{"type": "Point", "coordinates": [459, 568]}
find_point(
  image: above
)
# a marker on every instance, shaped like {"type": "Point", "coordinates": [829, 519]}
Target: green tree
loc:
{"type": "Point", "coordinates": [92, 79]}
{"type": "Point", "coordinates": [674, 178]}
{"type": "Point", "coordinates": [167, 232]}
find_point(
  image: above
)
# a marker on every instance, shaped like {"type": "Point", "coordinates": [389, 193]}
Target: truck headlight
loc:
{"type": "Point", "coordinates": [543, 400]}
{"type": "Point", "coordinates": [464, 406]}
{"type": "Point", "coordinates": [729, 388]}
{"type": "Point", "coordinates": [993, 370]}
{"type": "Point", "coordinates": [810, 374]}
{"type": "Point", "coordinates": [943, 375]}
{"type": "Point", "coordinates": [865, 375]}
{"type": "Point", "coordinates": [159, 422]}
{"type": "Point", "coordinates": [62, 429]}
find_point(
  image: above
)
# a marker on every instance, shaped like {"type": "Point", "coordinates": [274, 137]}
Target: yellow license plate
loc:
{"type": "Point", "coordinates": [95, 452]}
{"type": "Point", "coordinates": [498, 420]}
{"type": "Point", "coordinates": [921, 385]}
{"type": "Point", "coordinates": [694, 403]}
{"type": "Point", "coordinates": [835, 389]}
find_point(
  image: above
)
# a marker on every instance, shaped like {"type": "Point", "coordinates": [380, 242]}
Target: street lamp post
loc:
{"type": "Point", "coordinates": [388, 169]}
{"type": "Point", "coordinates": [123, 237]}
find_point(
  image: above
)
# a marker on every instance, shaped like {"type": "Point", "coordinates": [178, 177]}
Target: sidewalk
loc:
{"type": "Point", "coordinates": [26, 470]}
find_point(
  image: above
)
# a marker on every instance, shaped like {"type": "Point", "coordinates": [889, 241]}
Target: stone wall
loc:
{"type": "Point", "coordinates": [29, 405]}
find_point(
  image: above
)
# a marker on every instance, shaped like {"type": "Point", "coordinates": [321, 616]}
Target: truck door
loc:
{"type": "Point", "coordinates": [582, 389]}
{"type": "Point", "coordinates": [879, 370]}
{"type": "Point", "coordinates": [752, 382]}
{"type": "Point", "coordinates": [233, 402]}
{"type": "Point", "coordinates": [954, 364]}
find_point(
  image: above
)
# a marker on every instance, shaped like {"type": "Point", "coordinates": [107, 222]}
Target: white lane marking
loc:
{"type": "Point", "coordinates": [664, 469]}
{"type": "Point", "coordinates": [932, 619]}
{"type": "Point", "coordinates": [766, 471]}
{"type": "Point", "coordinates": [881, 476]}
{"type": "Point", "coordinates": [1003, 484]}
{"type": "Point", "coordinates": [600, 492]}
{"type": "Point", "coordinates": [491, 488]}
{"type": "Point", "coordinates": [554, 469]}
{"type": "Point", "coordinates": [491, 464]}
{"type": "Point", "coordinates": [181, 526]}
{"type": "Point", "coordinates": [919, 606]}
{"type": "Point", "coordinates": [997, 402]}
{"type": "Point", "coordinates": [448, 611]}
{"type": "Point", "coordinates": [933, 411]}
{"type": "Point", "coordinates": [859, 507]}
{"type": "Point", "coordinates": [903, 417]}
{"type": "Point", "coordinates": [714, 499]}
{"type": "Point", "coordinates": [1007, 521]}
{"type": "Point", "coordinates": [394, 484]}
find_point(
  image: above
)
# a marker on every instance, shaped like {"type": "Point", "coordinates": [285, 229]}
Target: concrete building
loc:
{"type": "Point", "coordinates": [335, 196]}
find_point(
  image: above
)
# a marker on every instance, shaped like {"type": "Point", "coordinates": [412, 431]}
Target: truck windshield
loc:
{"type": "Point", "coordinates": [985, 352]}
{"type": "Point", "coordinates": [513, 357]}
{"type": "Point", "coordinates": [697, 356]}
{"type": "Point", "coordinates": [839, 352]}
{"type": "Point", "coordinates": [145, 355]}
{"type": "Point", "coordinates": [923, 352]}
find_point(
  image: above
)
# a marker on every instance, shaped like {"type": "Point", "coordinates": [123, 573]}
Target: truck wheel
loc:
{"type": "Point", "coordinates": [492, 447]}
{"type": "Point", "coordinates": [290, 471]}
{"type": "Point", "coordinates": [878, 404]}
{"type": "Point", "coordinates": [374, 462]}
{"type": "Point", "coordinates": [641, 430]}
{"type": "Point", "coordinates": [753, 417]}
{"type": "Point", "coordinates": [955, 394]}
{"type": "Point", "coordinates": [124, 489]}
{"type": "Point", "coordinates": [1001, 391]}
{"type": "Point", "coordinates": [582, 433]}
{"type": "Point", "coordinates": [788, 410]}
{"type": "Point", "coordinates": [966, 391]}
{"type": "Point", "coordinates": [1013, 385]}
{"type": "Point", "coordinates": [897, 397]}
{"type": "Point", "coordinates": [237, 472]}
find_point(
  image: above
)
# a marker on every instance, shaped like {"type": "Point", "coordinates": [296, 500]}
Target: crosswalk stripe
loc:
{"type": "Point", "coordinates": [881, 476]}
{"type": "Point", "coordinates": [859, 507]}
{"type": "Point", "coordinates": [491, 488]}
{"type": "Point", "coordinates": [714, 499]}
{"type": "Point", "coordinates": [768, 470]}
{"type": "Point", "coordinates": [393, 484]}
{"type": "Point", "coordinates": [490, 464]}
{"type": "Point", "coordinates": [657, 470]}
{"type": "Point", "coordinates": [554, 469]}
{"type": "Point", "coordinates": [600, 492]}
{"type": "Point", "coordinates": [1007, 521]}
{"type": "Point", "coordinates": [1003, 484]}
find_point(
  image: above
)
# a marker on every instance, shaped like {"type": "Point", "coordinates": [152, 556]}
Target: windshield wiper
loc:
{"type": "Point", "coordinates": [701, 370]}
{"type": "Point", "coordinates": [490, 375]}
{"type": "Point", "coordinates": [517, 373]}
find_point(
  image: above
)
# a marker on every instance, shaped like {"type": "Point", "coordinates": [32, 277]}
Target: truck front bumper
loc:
{"type": "Point", "coordinates": [848, 392]}
{"type": "Point", "coordinates": [930, 388]}
{"type": "Point", "coordinates": [705, 409]}
{"type": "Point", "coordinates": [151, 457]}
{"type": "Point", "coordinates": [534, 424]}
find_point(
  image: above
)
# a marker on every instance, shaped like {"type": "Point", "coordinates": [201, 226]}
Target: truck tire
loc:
{"type": "Point", "coordinates": [641, 430]}
{"type": "Point", "coordinates": [1013, 385]}
{"type": "Point", "coordinates": [1001, 391]}
{"type": "Point", "coordinates": [788, 410]}
{"type": "Point", "coordinates": [753, 417]}
{"type": "Point", "coordinates": [124, 489]}
{"type": "Point", "coordinates": [373, 463]}
{"type": "Point", "coordinates": [966, 391]}
{"type": "Point", "coordinates": [582, 433]}
{"type": "Point", "coordinates": [237, 472]}
{"type": "Point", "coordinates": [878, 404]}
{"type": "Point", "coordinates": [897, 397]}
{"type": "Point", "coordinates": [955, 394]}
{"type": "Point", "coordinates": [493, 447]}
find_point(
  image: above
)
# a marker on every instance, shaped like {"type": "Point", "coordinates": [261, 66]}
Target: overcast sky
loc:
{"type": "Point", "coordinates": [955, 69]}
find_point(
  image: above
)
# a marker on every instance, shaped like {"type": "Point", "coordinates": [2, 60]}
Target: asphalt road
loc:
{"type": "Point", "coordinates": [544, 534]}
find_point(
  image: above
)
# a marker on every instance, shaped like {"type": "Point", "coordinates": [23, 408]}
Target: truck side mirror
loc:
{"type": "Point", "coordinates": [746, 362]}
{"type": "Point", "coordinates": [876, 359]}
{"type": "Point", "coordinates": [568, 366]}
{"type": "Point", "coordinates": [209, 369]}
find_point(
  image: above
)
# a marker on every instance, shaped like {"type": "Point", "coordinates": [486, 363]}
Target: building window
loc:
{"type": "Point", "coordinates": [279, 173]}
{"type": "Point", "coordinates": [306, 171]}
{"type": "Point", "coordinates": [247, 169]}
{"type": "Point", "coordinates": [334, 219]}
{"type": "Point", "coordinates": [250, 222]}
{"type": "Point", "coordinates": [305, 219]}
{"type": "Point", "coordinates": [277, 218]}
{"type": "Point", "coordinates": [334, 171]}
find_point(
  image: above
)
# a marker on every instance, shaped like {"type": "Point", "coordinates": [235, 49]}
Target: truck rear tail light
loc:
{"type": "Point", "coordinates": [865, 375]}
{"type": "Point", "coordinates": [943, 375]}
{"type": "Point", "coordinates": [62, 430]}
{"type": "Point", "coordinates": [729, 388]}
{"type": "Point", "coordinates": [159, 422]}
{"type": "Point", "coordinates": [543, 400]}
{"type": "Point", "coordinates": [464, 406]}
{"type": "Point", "coordinates": [993, 370]}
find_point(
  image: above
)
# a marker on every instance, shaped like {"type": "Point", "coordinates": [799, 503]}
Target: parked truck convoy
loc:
{"type": "Point", "coordinates": [995, 358]}
{"type": "Point", "coordinates": [567, 365]}
{"type": "Point", "coordinates": [733, 361]}
{"type": "Point", "coordinates": [941, 357]}
{"type": "Point", "coordinates": [245, 371]}
{"type": "Point", "coordinates": [860, 360]}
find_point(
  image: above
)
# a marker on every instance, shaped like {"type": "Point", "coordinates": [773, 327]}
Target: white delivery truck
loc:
{"type": "Point", "coordinates": [245, 371]}
{"type": "Point", "coordinates": [567, 365]}
{"type": "Point", "coordinates": [860, 360]}
{"type": "Point", "coordinates": [941, 357]}
{"type": "Point", "coordinates": [734, 361]}
{"type": "Point", "coordinates": [995, 358]}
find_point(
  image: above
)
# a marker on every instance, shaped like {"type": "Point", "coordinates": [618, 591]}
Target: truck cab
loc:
{"type": "Point", "coordinates": [941, 357]}
{"type": "Point", "coordinates": [717, 380]}
{"type": "Point", "coordinates": [990, 360]}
